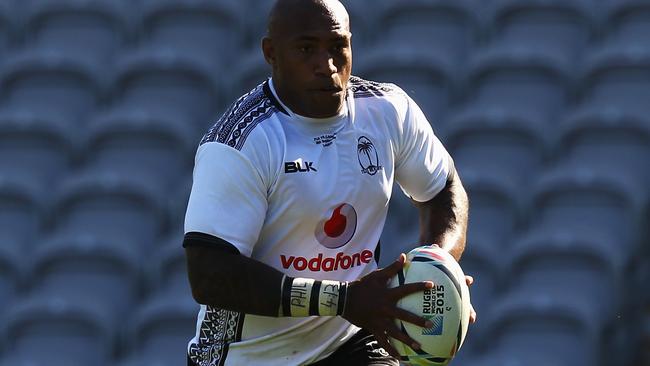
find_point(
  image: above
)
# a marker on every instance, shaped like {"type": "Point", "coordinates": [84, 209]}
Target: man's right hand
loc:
{"type": "Point", "coordinates": [372, 305]}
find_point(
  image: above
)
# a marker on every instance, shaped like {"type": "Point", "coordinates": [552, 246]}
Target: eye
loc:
{"type": "Point", "coordinates": [305, 49]}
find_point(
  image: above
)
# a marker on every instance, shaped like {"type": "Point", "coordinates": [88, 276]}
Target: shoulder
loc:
{"type": "Point", "coordinates": [243, 117]}
{"type": "Point", "coordinates": [362, 88]}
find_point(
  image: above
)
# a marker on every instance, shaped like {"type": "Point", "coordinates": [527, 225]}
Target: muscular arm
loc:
{"type": "Point", "coordinates": [443, 219]}
{"type": "Point", "coordinates": [225, 279]}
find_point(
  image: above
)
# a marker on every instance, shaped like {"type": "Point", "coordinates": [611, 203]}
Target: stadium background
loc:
{"type": "Point", "coordinates": [543, 103]}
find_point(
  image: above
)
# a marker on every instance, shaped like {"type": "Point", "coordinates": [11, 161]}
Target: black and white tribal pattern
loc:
{"type": "Point", "coordinates": [218, 329]}
{"type": "Point", "coordinates": [362, 88]}
{"type": "Point", "coordinates": [240, 119]}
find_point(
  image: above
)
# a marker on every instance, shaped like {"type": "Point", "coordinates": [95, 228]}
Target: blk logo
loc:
{"type": "Point", "coordinates": [299, 167]}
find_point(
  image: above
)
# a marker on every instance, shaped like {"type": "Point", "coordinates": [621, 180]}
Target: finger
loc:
{"type": "Point", "coordinates": [472, 314]}
{"type": "Point", "coordinates": [395, 267]}
{"type": "Point", "coordinates": [469, 280]}
{"type": "Point", "coordinates": [393, 332]}
{"type": "Point", "coordinates": [385, 344]}
{"type": "Point", "coordinates": [410, 317]}
{"type": "Point", "coordinates": [409, 288]}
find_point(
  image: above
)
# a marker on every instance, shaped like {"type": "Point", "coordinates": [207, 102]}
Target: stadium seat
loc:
{"type": "Point", "coordinates": [507, 145]}
{"type": "Point", "coordinates": [21, 206]}
{"type": "Point", "coordinates": [581, 200]}
{"type": "Point", "coordinates": [567, 264]}
{"type": "Point", "coordinates": [507, 358]}
{"type": "Point", "coordinates": [130, 142]}
{"type": "Point", "coordinates": [561, 27]}
{"type": "Point", "coordinates": [12, 272]}
{"type": "Point", "coordinates": [441, 26]}
{"type": "Point", "coordinates": [55, 332]}
{"type": "Point", "coordinates": [163, 81]}
{"type": "Point", "coordinates": [537, 326]}
{"type": "Point", "coordinates": [7, 27]}
{"type": "Point", "coordinates": [617, 76]}
{"type": "Point", "coordinates": [519, 80]}
{"type": "Point", "coordinates": [87, 270]}
{"type": "Point", "coordinates": [90, 29]}
{"type": "Point", "coordinates": [159, 330]}
{"type": "Point", "coordinates": [52, 84]}
{"type": "Point", "coordinates": [211, 30]}
{"type": "Point", "coordinates": [606, 138]}
{"type": "Point", "coordinates": [168, 268]}
{"type": "Point", "coordinates": [479, 261]}
{"type": "Point", "coordinates": [427, 76]}
{"type": "Point", "coordinates": [496, 212]}
{"type": "Point", "coordinates": [106, 206]}
{"type": "Point", "coordinates": [177, 205]}
{"type": "Point", "coordinates": [627, 22]}
{"type": "Point", "coordinates": [252, 71]}
{"type": "Point", "coordinates": [35, 148]}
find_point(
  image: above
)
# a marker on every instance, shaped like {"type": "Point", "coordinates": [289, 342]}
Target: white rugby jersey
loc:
{"type": "Point", "coordinates": [308, 197]}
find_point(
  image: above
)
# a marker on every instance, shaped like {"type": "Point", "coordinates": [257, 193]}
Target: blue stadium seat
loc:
{"type": "Point", "coordinates": [566, 264]}
{"type": "Point", "coordinates": [130, 142]}
{"type": "Point", "coordinates": [507, 358]}
{"type": "Point", "coordinates": [627, 22]}
{"type": "Point", "coordinates": [168, 269]}
{"type": "Point", "coordinates": [584, 201]}
{"type": "Point", "coordinates": [427, 76]}
{"type": "Point", "coordinates": [177, 205]}
{"type": "Point", "coordinates": [7, 27]}
{"type": "Point", "coordinates": [21, 206]}
{"type": "Point", "coordinates": [12, 272]}
{"type": "Point", "coordinates": [102, 205]}
{"type": "Point", "coordinates": [442, 26]}
{"type": "Point", "coordinates": [90, 29]}
{"type": "Point", "coordinates": [481, 262]}
{"type": "Point", "coordinates": [55, 332]}
{"type": "Point", "coordinates": [160, 329]}
{"type": "Point", "coordinates": [34, 148]}
{"type": "Point", "coordinates": [52, 84]}
{"type": "Point", "coordinates": [617, 76]}
{"type": "Point", "coordinates": [86, 270]}
{"type": "Point", "coordinates": [538, 326]}
{"type": "Point", "coordinates": [506, 145]}
{"type": "Point", "coordinates": [606, 138]}
{"type": "Point", "coordinates": [167, 82]}
{"type": "Point", "coordinates": [496, 213]}
{"type": "Point", "coordinates": [519, 80]}
{"type": "Point", "coordinates": [211, 30]}
{"type": "Point", "coordinates": [562, 27]}
{"type": "Point", "coordinates": [251, 72]}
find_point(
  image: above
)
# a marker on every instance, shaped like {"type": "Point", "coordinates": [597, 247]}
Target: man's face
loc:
{"type": "Point", "coordinates": [312, 62]}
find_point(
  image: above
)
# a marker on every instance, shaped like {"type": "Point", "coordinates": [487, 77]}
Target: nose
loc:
{"type": "Point", "coordinates": [325, 64]}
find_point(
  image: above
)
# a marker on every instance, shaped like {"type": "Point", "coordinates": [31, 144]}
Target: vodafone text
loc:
{"type": "Point", "coordinates": [327, 264]}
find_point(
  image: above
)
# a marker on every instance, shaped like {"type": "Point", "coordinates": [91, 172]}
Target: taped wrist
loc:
{"type": "Point", "coordinates": [303, 297]}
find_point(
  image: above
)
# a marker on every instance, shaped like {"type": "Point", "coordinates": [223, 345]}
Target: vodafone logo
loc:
{"type": "Point", "coordinates": [327, 264]}
{"type": "Point", "coordinates": [338, 228]}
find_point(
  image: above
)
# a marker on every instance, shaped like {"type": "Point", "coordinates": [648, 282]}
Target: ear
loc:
{"type": "Point", "coordinates": [269, 50]}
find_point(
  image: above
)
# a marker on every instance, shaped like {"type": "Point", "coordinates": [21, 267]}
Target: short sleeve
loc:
{"type": "Point", "coordinates": [422, 164]}
{"type": "Point", "coordinates": [228, 198]}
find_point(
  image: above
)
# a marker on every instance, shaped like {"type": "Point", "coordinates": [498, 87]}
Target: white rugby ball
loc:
{"type": "Point", "coordinates": [447, 305]}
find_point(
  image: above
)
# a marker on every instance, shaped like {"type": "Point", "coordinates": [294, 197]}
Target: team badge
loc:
{"type": "Point", "coordinates": [368, 156]}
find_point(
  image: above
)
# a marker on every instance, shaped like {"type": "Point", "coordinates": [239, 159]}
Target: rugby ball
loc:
{"type": "Point", "coordinates": [446, 305]}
